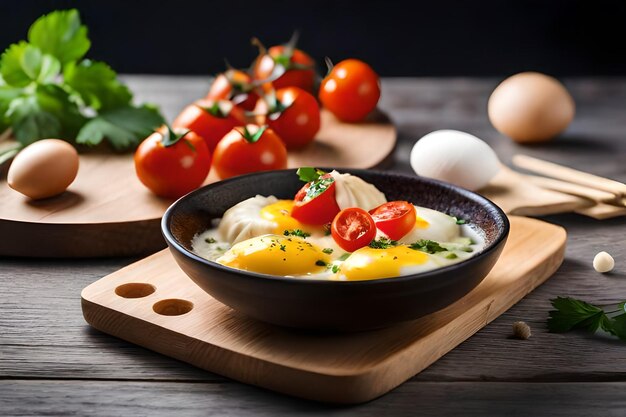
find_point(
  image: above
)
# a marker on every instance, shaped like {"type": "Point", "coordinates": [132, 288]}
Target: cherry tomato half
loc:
{"type": "Point", "coordinates": [350, 91]}
{"type": "Point", "coordinates": [395, 218]}
{"type": "Point", "coordinates": [298, 68]}
{"type": "Point", "coordinates": [353, 228]}
{"type": "Point", "coordinates": [210, 119]}
{"type": "Point", "coordinates": [315, 202]}
{"type": "Point", "coordinates": [249, 149]}
{"type": "Point", "coordinates": [171, 165]}
{"type": "Point", "coordinates": [295, 116]}
{"type": "Point", "coordinates": [234, 85]}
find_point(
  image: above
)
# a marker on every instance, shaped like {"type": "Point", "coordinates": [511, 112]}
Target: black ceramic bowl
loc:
{"type": "Point", "coordinates": [333, 305]}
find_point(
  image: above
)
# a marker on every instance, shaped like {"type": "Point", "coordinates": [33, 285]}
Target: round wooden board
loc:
{"type": "Point", "coordinates": [108, 212]}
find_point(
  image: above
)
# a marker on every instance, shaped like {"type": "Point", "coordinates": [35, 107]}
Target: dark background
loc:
{"type": "Point", "coordinates": [417, 38]}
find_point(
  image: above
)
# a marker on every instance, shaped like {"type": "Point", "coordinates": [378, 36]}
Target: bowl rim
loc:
{"type": "Point", "coordinates": [483, 201]}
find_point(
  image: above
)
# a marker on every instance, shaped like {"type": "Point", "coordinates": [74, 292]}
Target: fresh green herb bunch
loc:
{"type": "Point", "coordinates": [49, 90]}
{"type": "Point", "coordinates": [570, 314]}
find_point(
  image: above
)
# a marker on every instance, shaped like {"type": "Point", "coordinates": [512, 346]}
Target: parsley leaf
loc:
{"type": "Point", "coordinates": [571, 313]}
{"type": "Point", "coordinates": [382, 243]}
{"type": "Point", "coordinates": [328, 251]}
{"type": "Point", "coordinates": [309, 174]}
{"type": "Point", "coordinates": [48, 90]}
{"type": "Point", "coordinates": [61, 35]}
{"type": "Point", "coordinates": [123, 127]}
{"type": "Point", "coordinates": [428, 246]}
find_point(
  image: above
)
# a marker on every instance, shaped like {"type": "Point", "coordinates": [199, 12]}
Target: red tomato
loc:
{"type": "Point", "coordinates": [171, 165]}
{"type": "Point", "coordinates": [353, 228]}
{"type": "Point", "coordinates": [249, 149]}
{"type": "Point", "coordinates": [350, 91]}
{"type": "Point", "coordinates": [295, 116]}
{"type": "Point", "coordinates": [210, 119]}
{"type": "Point", "coordinates": [395, 218]}
{"type": "Point", "coordinates": [297, 68]}
{"type": "Point", "coordinates": [236, 86]}
{"type": "Point", "coordinates": [315, 202]}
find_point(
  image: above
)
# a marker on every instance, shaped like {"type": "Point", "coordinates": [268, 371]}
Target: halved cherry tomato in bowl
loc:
{"type": "Point", "coordinates": [171, 164]}
{"type": "Point", "coordinates": [353, 228]}
{"type": "Point", "coordinates": [315, 202]}
{"type": "Point", "coordinates": [395, 218]}
{"type": "Point", "coordinates": [210, 119]}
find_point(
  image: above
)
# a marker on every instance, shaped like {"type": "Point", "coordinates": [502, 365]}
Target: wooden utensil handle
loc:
{"type": "Point", "coordinates": [573, 189]}
{"type": "Point", "coordinates": [560, 172]}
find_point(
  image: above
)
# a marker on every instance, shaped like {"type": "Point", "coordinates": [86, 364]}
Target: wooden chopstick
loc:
{"type": "Point", "coordinates": [560, 172]}
{"type": "Point", "coordinates": [573, 189]}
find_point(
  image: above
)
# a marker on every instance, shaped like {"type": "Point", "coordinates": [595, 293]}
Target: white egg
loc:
{"type": "Point", "coordinates": [455, 157]}
{"type": "Point", "coordinates": [432, 225]}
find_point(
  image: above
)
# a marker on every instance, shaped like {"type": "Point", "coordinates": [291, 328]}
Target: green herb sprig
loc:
{"type": "Point", "coordinates": [382, 243]}
{"type": "Point", "coordinates": [49, 90]}
{"type": "Point", "coordinates": [297, 232]}
{"type": "Point", "coordinates": [571, 313]}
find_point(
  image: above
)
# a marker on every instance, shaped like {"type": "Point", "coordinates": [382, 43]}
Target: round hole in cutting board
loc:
{"type": "Point", "coordinates": [134, 290]}
{"type": "Point", "coordinates": [172, 307]}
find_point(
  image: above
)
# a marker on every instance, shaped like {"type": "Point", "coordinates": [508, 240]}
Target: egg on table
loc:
{"type": "Point", "coordinates": [261, 235]}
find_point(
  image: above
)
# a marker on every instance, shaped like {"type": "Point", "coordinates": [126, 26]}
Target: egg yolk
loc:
{"type": "Point", "coordinates": [420, 223]}
{"type": "Point", "coordinates": [280, 213]}
{"type": "Point", "coordinates": [367, 263]}
{"type": "Point", "coordinates": [276, 255]}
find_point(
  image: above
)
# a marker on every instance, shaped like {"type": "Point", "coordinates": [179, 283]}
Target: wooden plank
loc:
{"type": "Point", "coordinates": [115, 398]}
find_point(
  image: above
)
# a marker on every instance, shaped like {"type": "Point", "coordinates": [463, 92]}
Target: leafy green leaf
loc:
{"type": "Point", "coordinates": [618, 326]}
{"type": "Point", "coordinates": [124, 127]}
{"type": "Point", "coordinates": [253, 137]}
{"type": "Point", "coordinates": [11, 65]}
{"type": "Point", "coordinates": [30, 121]}
{"type": "Point", "coordinates": [7, 94]}
{"type": "Point", "coordinates": [297, 232]}
{"type": "Point", "coordinates": [96, 84]}
{"type": "Point", "coordinates": [61, 35]}
{"type": "Point", "coordinates": [571, 313]}
{"type": "Point", "coordinates": [22, 64]}
{"type": "Point", "coordinates": [54, 99]}
{"type": "Point", "coordinates": [308, 174]}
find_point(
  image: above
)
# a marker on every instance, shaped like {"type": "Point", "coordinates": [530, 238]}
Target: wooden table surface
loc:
{"type": "Point", "coordinates": [53, 363]}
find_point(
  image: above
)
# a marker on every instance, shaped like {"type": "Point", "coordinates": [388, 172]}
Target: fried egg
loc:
{"type": "Point", "coordinates": [277, 255]}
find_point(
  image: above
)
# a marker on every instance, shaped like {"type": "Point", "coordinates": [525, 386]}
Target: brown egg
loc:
{"type": "Point", "coordinates": [531, 107]}
{"type": "Point", "coordinates": [43, 169]}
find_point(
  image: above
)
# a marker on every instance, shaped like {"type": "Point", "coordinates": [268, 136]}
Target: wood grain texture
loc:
{"type": "Point", "coordinates": [344, 368]}
{"type": "Point", "coordinates": [43, 334]}
{"type": "Point", "coordinates": [108, 212]}
{"type": "Point", "coordinates": [114, 398]}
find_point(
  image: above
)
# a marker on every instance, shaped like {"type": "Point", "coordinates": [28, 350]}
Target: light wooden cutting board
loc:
{"type": "Point", "coordinates": [154, 304]}
{"type": "Point", "coordinates": [108, 212]}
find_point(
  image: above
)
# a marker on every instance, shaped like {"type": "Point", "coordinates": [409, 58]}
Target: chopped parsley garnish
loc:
{"type": "Point", "coordinates": [319, 262]}
{"type": "Point", "coordinates": [210, 240]}
{"type": "Point", "coordinates": [382, 243]}
{"type": "Point", "coordinates": [428, 246]}
{"type": "Point", "coordinates": [344, 257]}
{"type": "Point", "coordinates": [335, 269]}
{"type": "Point", "coordinates": [327, 250]}
{"type": "Point", "coordinates": [451, 255]}
{"type": "Point", "coordinates": [460, 221]}
{"type": "Point", "coordinates": [283, 248]}
{"type": "Point", "coordinates": [317, 187]}
{"type": "Point", "coordinates": [296, 232]}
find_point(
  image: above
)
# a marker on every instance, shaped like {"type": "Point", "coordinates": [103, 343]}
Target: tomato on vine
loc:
{"type": "Point", "coordinates": [350, 90]}
{"type": "Point", "coordinates": [292, 113]}
{"type": "Point", "coordinates": [236, 86]}
{"type": "Point", "coordinates": [210, 119]}
{"type": "Point", "coordinates": [250, 148]}
{"type": "Point", "coordinates": [285, 66]}
{"type": "Point", "coordinates": [172, 163]}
